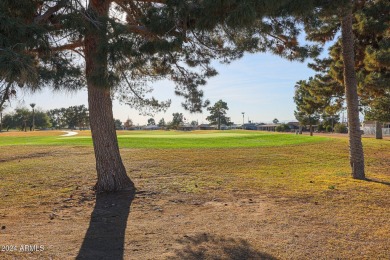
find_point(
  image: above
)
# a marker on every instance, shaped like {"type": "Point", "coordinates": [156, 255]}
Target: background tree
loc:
{"type": "Point", "coordinates": [305, 120]}
{"type": "Point", "coordinates": [218, 114]}
{"type": "Point", "coordinates": [76, 116]}
{"type": "Point", "coordinates": [308, 106]}
{"type": "Point", "coordinates": [9, 122]}
{"type": "Point", "coordinates": [177, 120]}
{"type": "Point", "coordinates": [194, 123]}
{"type": "Point", "coordinates": [161, 123]}
{"type": "Point", "coordinates": [41, 119]}
{"type": "Point", "coordinates": [275, 121]}
{"type": "Point", "coordinates": [329, 121]}
{"type": "Point", "coordinates": [128, 124]}
{"type": "Point", "coordinates": [118, 124]}
{"type": "Point", "coordinates": [57, 118]}
{"type": "Point", "coordinates": [22, 117]}
{"type": "Point", "coordinates": [151, 121]}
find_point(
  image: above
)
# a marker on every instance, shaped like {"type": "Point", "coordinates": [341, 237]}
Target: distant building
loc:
{"type": "Point", "coordinates": [249, 126]}
{"type": "Point", "coordinates": [267, 127]}
{"type": "Point", "coordinates": [186, 127]}
{"type": "Point", "coordinates": [235, 126]}
{"type": "Point", "coordinates": [293, 125]}
{"type": "Point", "coordinates": [151, 127]}
{"type": "Point", "coordinates": [135, 127]}
{"type": "Point", "coordinates": [368, 128]}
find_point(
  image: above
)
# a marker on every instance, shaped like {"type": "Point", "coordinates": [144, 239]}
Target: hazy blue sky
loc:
{"type": "Point", "coordinates": [261, 85]}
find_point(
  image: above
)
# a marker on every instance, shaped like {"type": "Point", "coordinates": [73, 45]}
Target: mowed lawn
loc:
{"type": "Point", "coordinates": [283, 196]}
{"type": "Point", "coordinates": [162, 139]}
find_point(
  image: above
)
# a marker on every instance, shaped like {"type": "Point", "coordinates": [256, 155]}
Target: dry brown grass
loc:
{"type": "Point", "coordinates": [295, 202]}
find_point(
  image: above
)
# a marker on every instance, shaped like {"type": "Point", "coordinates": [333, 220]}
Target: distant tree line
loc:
{"type": "Point", "coordinates": [217, 117]}
{"type": "Point", "coordinates": [22, 118]}
{"type": "Point", "coordinates": [71, 117]}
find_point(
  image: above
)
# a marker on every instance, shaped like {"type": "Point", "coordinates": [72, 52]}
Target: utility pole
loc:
{"type": "Point", "coordinates": [32, 105]}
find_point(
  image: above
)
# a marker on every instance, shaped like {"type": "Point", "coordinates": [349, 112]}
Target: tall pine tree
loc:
{"type": "Point", "coordinates": [308, 106]}
{"type": "Point", "coordinates": [218, 114]}
{"type": "Point", "coordinates": [323, 26]}
{"type": "Point", "coordinates": [126, 44]}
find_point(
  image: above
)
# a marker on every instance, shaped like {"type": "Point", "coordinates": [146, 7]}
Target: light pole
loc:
{"type": "Point", "coordinates": [32, 105]}
{"type": "Point", "coordinates": [1, 119]}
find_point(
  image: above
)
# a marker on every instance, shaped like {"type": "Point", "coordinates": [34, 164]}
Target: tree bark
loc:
{"type": "Point", "coordinates": [378, 130]}
{"type": "Point", "coordinates": [356, 154]}
{"type": "Point", "coordinates": [111, 173]}
{"type": "Point", "coordinates": [311, 130]}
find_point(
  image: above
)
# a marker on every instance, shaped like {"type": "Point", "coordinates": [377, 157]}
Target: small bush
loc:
{"type": "Point", "coordinates": [321, 128]}
{"type": "Point", "coordinates": [340, 128]}
{"type": "Point", "coordinates": [282, 128]}
{"type": "Point", "coordinates": [329, 129]}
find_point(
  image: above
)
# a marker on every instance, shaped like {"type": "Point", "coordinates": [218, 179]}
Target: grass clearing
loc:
{"type": "Point", "coordinates": [294, 201]}
{"type": "Point", "coordinates": [164, 139]}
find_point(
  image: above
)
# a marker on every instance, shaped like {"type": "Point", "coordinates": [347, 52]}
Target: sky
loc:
{"type": "Point", "coordinates": [260, 85]}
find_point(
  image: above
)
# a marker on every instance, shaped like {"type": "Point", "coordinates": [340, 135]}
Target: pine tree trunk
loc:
{"type": "Point", "coordinates": [111, 172]}
{"type": "Point", "coordinates": [378, 130]}
{"type": "Point", "coordinates": [311, 130]}
{"type": "Point", "coordinates": [356, 154]}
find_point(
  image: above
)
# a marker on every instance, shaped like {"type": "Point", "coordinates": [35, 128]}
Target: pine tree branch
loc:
{"type": "Point", "coordinates": [71, 46]}
{"type": "Point", "coordinates": [142, 30]}
{"type": "Point", "coordinates": [46, 16]}
{"type": "Point", "coordinates": [130, 13]}
{"type": "Point", "coordinates": [135, 27]}
{"type": "Point", "coordinates": [204, 44]}
{"type": "Point", "coordinates": [130, 87]}
{"type": "Point", "coordinates": [5, 95]}
{"type": "Point", "coordinates": [143, 1]}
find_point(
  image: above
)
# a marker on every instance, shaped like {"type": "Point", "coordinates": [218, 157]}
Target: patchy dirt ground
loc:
{"type": "Point", "coordinates": [187, 207]}
{"type": "Point", "coordinates": [239, 225]}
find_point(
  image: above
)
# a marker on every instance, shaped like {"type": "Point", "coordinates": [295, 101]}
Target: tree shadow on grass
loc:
{"type": "Point", "coordinates": [210, 247]}
{"type": "Point", "coordinates": [379, 181]}
{"type": "Point", "coordinates": [106, 232]}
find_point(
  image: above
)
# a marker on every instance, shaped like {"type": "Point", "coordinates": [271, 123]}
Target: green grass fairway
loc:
{"type": "Point", "coordinates": [166, 139]}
